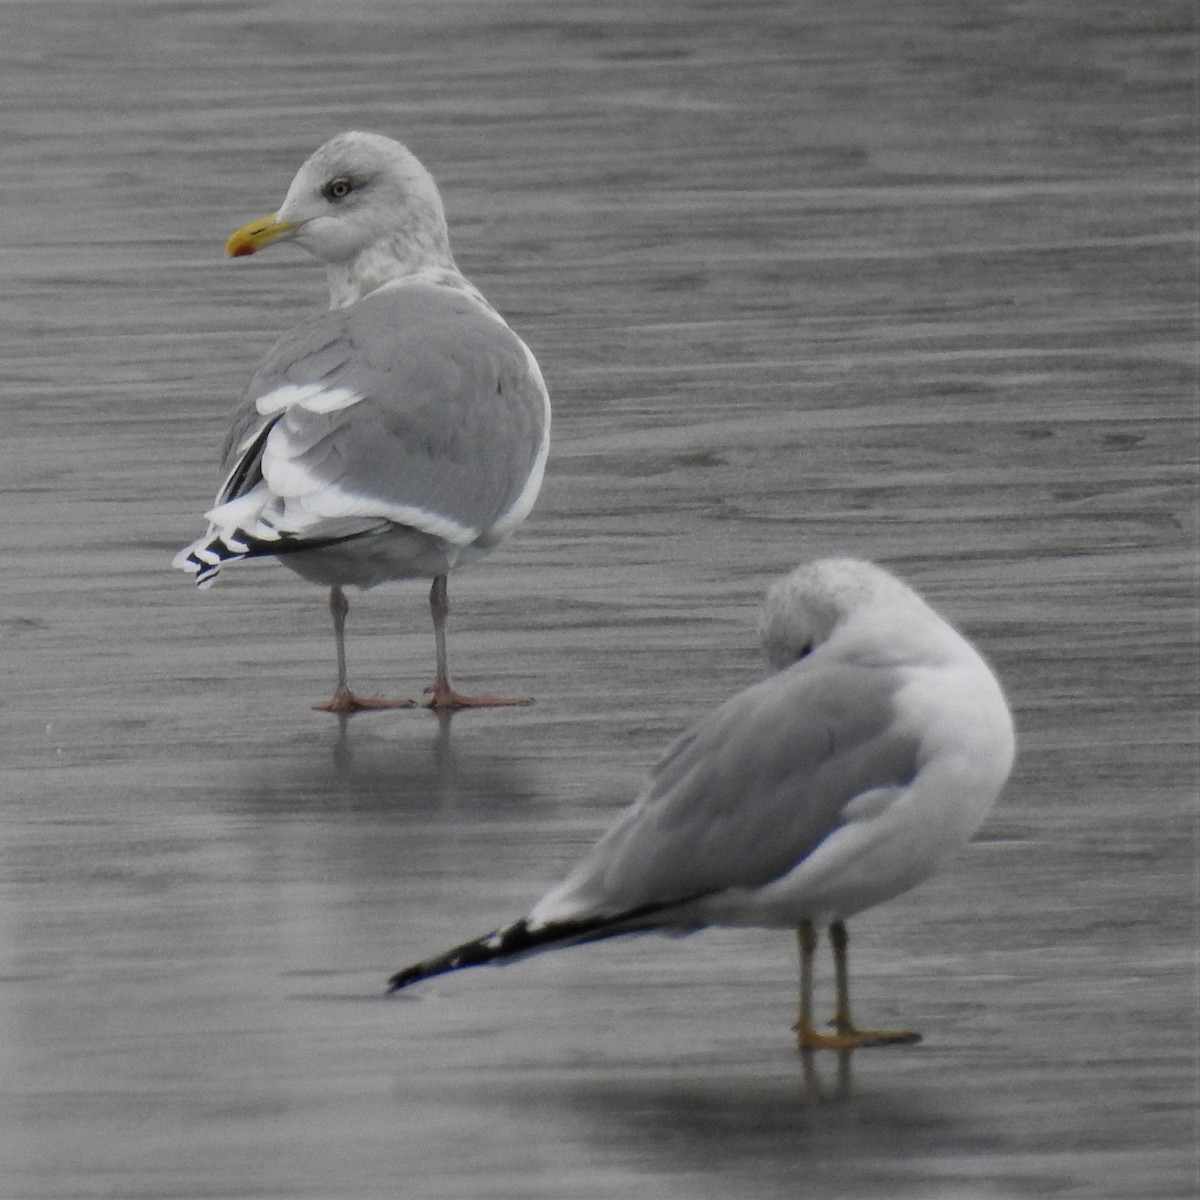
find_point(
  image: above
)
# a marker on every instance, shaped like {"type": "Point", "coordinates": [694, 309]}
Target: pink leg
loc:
{"type": "Point", "coordinates": [344, 700]}
{"type": "Point", "coordinates": [442, 694]}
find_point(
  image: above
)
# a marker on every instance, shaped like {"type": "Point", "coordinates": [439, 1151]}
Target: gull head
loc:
{"type": "Point", "coordinates": [365, 206]}
{"type": "Point", "coordinates": [806, 607]}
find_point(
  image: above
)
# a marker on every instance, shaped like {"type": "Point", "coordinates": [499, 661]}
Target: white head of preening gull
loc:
{"type": "Point", "coordinates": [844, 778]}
{"type": "Point", "coordinates": [399, 435]}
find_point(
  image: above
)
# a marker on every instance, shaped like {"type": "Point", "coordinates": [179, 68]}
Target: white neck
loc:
{"type": "Point", "coordinates": [403, 253]}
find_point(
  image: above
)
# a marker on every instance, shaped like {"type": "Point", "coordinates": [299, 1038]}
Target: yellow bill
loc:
{"type": "Point", "coordinates": [258, 235]}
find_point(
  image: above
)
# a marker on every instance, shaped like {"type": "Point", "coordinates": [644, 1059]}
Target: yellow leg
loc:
{"type": "Point", "coordinates": [839, 940]}
{"type": "Point", "coordinates": [806, 940]}
{"type": "Point", "coordinates": [847, 1035]}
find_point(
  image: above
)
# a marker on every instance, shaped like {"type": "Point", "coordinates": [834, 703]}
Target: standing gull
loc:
{"type": "Point", "coordinates": [844, 778]}
{"type": "Point", "coordinates": [399, 435]}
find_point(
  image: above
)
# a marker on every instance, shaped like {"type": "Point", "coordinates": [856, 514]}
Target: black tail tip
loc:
{"type": "Point", "coordinates": [403, 978]}
{"type": "Point", "coordinates": [503, 943]}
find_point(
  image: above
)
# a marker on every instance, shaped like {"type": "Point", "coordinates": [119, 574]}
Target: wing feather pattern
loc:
{"type": "Point", "coordinates": [416, 405]}
{"type": "Point", "coordinates": [747, 794]}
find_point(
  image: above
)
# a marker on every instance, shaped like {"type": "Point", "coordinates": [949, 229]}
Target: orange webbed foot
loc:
{"type": "Point", "coordinates": [345, 702]}
{"type": "Point", "coordinates": [849, 1037]}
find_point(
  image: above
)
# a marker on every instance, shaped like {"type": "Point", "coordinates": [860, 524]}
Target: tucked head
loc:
{"type": "Point", "coordinates": [804, 608]}
{"type": "Point", "coordinates": [359, 193]}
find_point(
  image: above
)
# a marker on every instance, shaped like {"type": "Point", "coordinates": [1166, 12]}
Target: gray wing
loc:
{"type": "Point", "coordinates": [415, 400]}
{"type": "Point", "coordinates": [749, 792]}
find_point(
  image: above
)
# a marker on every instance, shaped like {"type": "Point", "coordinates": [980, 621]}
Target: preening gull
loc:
{"type": "Point", "coordinates": [844, 778]}
{"type": "Point", "coordinates": [399, 435]}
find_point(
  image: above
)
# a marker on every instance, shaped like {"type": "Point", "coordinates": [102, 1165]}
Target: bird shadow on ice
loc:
{"type": "Point", "coordinates": [441, 745]}
{"type": "Point", "coordinates": [781, 1125]}
{"type": "Point", "coordinates": [360, 767]}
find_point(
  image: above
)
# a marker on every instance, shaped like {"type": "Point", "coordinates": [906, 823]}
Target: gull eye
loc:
{"type": "Point", "coordinates": [804, 651]}
{"type": "Point", "coordinates": [337, 189]}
